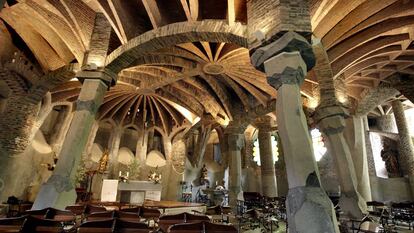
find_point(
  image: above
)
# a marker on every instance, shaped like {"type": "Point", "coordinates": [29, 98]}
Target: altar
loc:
{"type": "Point", "coordinates": [133, 192]}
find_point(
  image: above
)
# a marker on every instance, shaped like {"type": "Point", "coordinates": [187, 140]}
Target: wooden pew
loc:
{"type": "Point", "coordinates": [37, 225]}
{"type": "Point", "coordinates": [105, 215]}
{"type": "Point", "coordinates": [127, 216]}
{"type": "Point", "coordinates": [122, 226]}
{"type": "Point", "coordinates": [102, 226]}
{"type": "Point", "coordinates": [166, 221]}
{"type": "Point", "coordinates": [8, 225]}
{"type": "Point", "coordinates": [201, 227]}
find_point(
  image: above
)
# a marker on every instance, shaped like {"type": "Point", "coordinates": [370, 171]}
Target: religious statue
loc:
{"type": "Point", "coordinates": [204, 176]}
{"type": "Point", "coordinates": [103, 162]}
{"type": "Point", "coordinates": [389, 156]}
{"type": "Point", "coordinates": [155, 176]}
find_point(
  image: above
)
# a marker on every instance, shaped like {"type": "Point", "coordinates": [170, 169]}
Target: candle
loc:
{"type": "Point", "coordinates": [120, 173]}
{"type": "Point", "coordinates": [127, 174]}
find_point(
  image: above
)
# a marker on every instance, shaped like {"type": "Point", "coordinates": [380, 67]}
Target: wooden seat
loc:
{"type": "Point", "coordinates": [202, 227]}
{"type": "Point", "coordinates": [105, 215]}
{"type": "Point", "coordinates": [60, 215]}
{"type": "Point", "coordinates": [40, 214]}
{"type": "Point", "coordinates": [131, 210]}
{"type": "Point", "coordinates": [166, 221]}
{"type": "Point", "coordinates": [122, 226]}
{"type": "Point", "coordinates": [127, 216]}
{"type": "Point", "coordinates": [11, 224]}
{"type": "Point", "coordinates": [76, 209]}
{"type": "Point", "coordinates": [89, 209]}
{"type": "Point", "coordinates": [149, 213]}
{"type": "Point", "coordinates": [102, 226]}
{"type": "Point", "coordinates": [33, 224]}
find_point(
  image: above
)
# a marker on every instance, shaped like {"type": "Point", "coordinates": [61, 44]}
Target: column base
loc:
{"type": "Point", "coordinates": [352, 206]}
{"type": "Point", "coordinates": [310, 210]}
{"type": "Point", "coordinates": [48, 196]}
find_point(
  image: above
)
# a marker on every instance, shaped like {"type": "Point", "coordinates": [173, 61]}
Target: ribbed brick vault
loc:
{"type": "Point", "coordinates": [190, 53]}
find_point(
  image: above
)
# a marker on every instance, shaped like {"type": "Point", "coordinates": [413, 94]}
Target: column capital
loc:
{"type": "Point", "coordinates": [92, 72]}
{"type": "Point", "coordinates": [289, 42]}
{"type": "Point", "coordinates": [265, 124]}
{"type": "Point", "coordinates": [235, 142]}
{"type": "Point", "coordinates": [323, 112]}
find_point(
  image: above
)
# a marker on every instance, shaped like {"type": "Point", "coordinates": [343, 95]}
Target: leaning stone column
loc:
{"type": "Point", "coordinates": [59, 190]}
{"type": "Point", "coordinates": [405, 142]}
{"type": "Point", "coordinates": [114, 153]}
{"type": "Point", "coordinates": [269, 185]}
{"type": "Point", "coordinates": [309, 208]}
{"type": "Point", "coordinates": [235, 142]}
{"type": "Point", "coordinates": [331, 120]}
{"type": "Point", "coordinates": [355, 132]}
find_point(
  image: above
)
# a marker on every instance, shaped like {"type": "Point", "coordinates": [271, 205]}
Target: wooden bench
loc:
{"type": "Point", "coordinates": [102, 226]}
{"type": "Point", "coordinates": [105, 215]}
{"type": "Point", "coordinates": [201, 227]}
{"type": "Point", "coordinates": [166, 221]}
{"type": "Point", "coordinates": [11, 224]}
{"type": "Point", "coordinates": [122, 226]}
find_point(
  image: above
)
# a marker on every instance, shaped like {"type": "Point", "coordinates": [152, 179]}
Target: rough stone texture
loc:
{"type": "Point", "coordinates": [275, 17]}
{"type": "Point", "coordinates": [99, 42]}
{"type": "Point", "coordinates": [374, 97]}
{"type": "Point", "coordinates": [280, 167]}
{"type": "Point", "coordinates": [404, 84]}
{"type": "Point", "coordinates": [355, 135]}
{"type": "Point", "coordinates": [310, 211]}
{"type": "Point", "coordinates": [405, 143]}
{"type": "Point", "coordinates": [59, 190]}
{"type": "Point", "coordinates": [386, 123]}
{"type": "Point", "coordinates": [235, 145]}
{"type": "Point", "coordinates": [268, 173]}
{"type": "Point", "coordinates": [370, 156]}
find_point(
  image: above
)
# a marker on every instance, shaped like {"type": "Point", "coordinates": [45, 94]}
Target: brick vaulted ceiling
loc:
{"type": "Point", "coordinates": [367, 42]}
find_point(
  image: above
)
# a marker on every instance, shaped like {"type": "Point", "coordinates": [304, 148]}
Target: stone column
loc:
{"type": "Point", "coordinates": [114, 152]}
{"type": "Point", "coordinates": [269, 185]}
{"type": "Point", "coordinates": [59, 190]}
{"type": "Point", "coordinates": [405, 142]}
{"type": "Point", "coordinates": [309, 208]}
{"type": "Point", "coordinates": [280, 168]}
{"type": "Point", "coordinates": [370, 156]}
{"type": "Point", "coordinates": [355, 132]}
{"type": "Point", "coordinates": [331, 120]}
{"type": "Point", "coordinates": [235, 142]}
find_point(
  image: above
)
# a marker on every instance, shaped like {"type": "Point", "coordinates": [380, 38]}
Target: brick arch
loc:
{"type": "Point", "coordinates": [172, 34]}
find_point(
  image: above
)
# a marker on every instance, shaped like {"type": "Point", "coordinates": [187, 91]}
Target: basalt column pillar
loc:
{"type": "Point", "coordinates": [114, 153]}
{"type": "Point", "coordinates": [285, 62]}
{"type": "Point", "coordinates": [331, 120]}
{"type": "Point", "coordinates": [235, 144]}
{"type": "Point", "coordinates": [267, 162]}
{"type": "Point", "coordinates": [405, 142]}
{"type": "Point", "coordinates": [59, 190]}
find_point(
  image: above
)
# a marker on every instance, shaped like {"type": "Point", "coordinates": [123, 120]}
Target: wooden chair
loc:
{"type": "Point", "coordinates": [102, 226]}
{"type": "Point", "coordinates": [201, 227]}
{"type": "Point", "coordinates": [12, 224]}
{"type": "Point", "coordinates": [33, 224]}
{"type": "Point", "coordinates": [123, 226]}
{"type": "Point", "coordinates": [127, 216]}
{"type": "Point", "coordinates": [218, 228]}
{"type": "Point", "coordinates": [132, 210]}
{"type": "Point", "coordinates": [89, 209]}
{"type": "Point", "coordinates": [165, 221]}
{"type": "Point", "coordinates": [191, 218]}
{"type": "Point", "coordinates": [40, 214]}
{"type": "Point", "coordinates": [60, 215]}
{"type": "Point", "coordinates": [148, 213]}
{"type": "Point", "coordinates": [76, 209]}
{"type": "Point", "coordinates": [105, 215]}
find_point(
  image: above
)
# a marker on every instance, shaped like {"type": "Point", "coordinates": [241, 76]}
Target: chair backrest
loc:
{"type": "Point", "coordinates": [165, 221]}
{"type": "Point", "coordinates": [12, 224]}
{"type": "Point", "coordinates": [122, 226]}
{"type": "Point", "coordinates": [89, 209]}
{"type": "Point", "coordinates": [40, 214]}
{"type": "Point", "coordinates": [149, 213]}
{"type": "Point", "coordinates": [196, 218]}
{"type": "Point", "coordinates": [102, 226]}
{"type": "Point", "coordinates": [105, 215]}
{"type": "Point", "coordinates": [132, 210]}
{"type": "Point", "coordinates": [60, 215]}
{"type": "Point", "coordinates": [127, 216]}
{"type": "Point", "coordinates": [76, 209]}
{"type": "Point", "coordinates": [33, 224]}
{"type": "Point", "coordinates": [186, 228]}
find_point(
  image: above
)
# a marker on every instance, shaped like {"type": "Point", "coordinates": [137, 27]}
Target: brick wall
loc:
{"type": "Point", "coordinates": [273, 17]}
